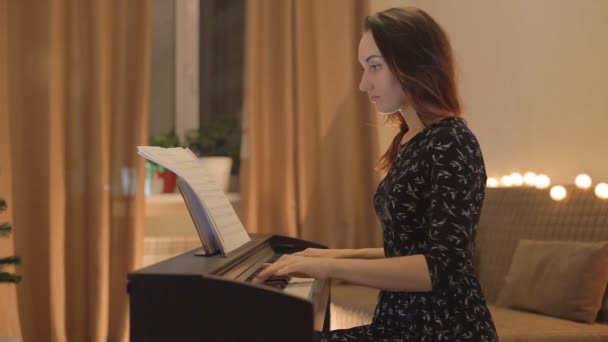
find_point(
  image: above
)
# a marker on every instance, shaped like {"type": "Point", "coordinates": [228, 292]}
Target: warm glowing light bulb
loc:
{"type": "Point", "coordinates": [601, 191]}
{"type": "Point", "coordinates": [506, 181]}
{"type": "Point", "coordinates": [583, 181]}
{"type": "Point", "coordinates": [558, 192]}
{"type": "Point", "coordinates": [530, 178]}
{"type": "Point", "coordinates": [517, 179]}
{"type": "Point", "coordinates": [492, 183]}
{"type": "Point", "coordinates": [543, 181]}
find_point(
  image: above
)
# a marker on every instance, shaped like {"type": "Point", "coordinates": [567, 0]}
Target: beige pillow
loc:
{"type": "Point", "coordinates": [558, 278]}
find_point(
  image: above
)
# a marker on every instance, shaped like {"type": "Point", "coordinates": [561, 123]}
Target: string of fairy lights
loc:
{"type": "Point", "coordinates": [542, 181]}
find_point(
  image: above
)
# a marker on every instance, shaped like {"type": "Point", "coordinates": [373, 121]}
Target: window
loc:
{"type": "Point", "coordinates": [197, 71]}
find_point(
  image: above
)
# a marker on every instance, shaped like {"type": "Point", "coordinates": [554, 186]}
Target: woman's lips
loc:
{"type": "Point", "coordinates": [373, 99]}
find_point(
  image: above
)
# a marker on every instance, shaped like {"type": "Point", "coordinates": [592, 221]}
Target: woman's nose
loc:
{"type": "Point", "coordinates": [363, 85]}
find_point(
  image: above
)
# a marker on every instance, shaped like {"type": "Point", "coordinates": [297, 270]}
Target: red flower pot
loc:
{"type": "Point", "coordinates": [169, 179]}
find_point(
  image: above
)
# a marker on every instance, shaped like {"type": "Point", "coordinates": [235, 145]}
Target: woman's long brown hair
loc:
{"type": "Point", "coordinates": [417, 50]}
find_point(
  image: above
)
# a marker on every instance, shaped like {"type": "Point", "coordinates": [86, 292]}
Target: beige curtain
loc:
{"type": "Point", "coordinates": [9, 317]}
{"type": "Point", "coordinates": [76, 92]}
{"type": "Point", "coordinates": [308, 162]}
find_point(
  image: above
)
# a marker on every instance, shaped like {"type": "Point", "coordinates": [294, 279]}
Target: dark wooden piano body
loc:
{"type": "Point", "coordinates": [205, 298]}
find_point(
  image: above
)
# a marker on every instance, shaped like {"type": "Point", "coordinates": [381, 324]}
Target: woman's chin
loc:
{"type": "Point", "coordinates": [386, 111]}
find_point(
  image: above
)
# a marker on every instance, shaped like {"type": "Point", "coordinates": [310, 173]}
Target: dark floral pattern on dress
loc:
{"type": "Point", "coordinates": [429, 203]}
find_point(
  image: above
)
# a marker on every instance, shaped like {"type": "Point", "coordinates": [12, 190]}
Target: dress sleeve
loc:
{"type": "Point", "coordinates": [451, 215]}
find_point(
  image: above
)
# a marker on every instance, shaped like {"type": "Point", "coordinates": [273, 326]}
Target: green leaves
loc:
{"type": "Point", "coordinates": [5, 230]}
{"type": "Point", "coordinates": [9, 278]}
{"type": "Point", "coordinates": [218, 138]}
{"type": "Point", "coordinates": [166, 140]}
{"type": "Point", "coordinates": [13, 260]}
{"type": "Point", "coordinates": [152, 168]}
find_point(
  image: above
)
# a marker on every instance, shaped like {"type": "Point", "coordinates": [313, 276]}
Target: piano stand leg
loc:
{"type": "Point", "coordinates": [205, 252]}
{"type": "Point", "coordinates": [326, 325]}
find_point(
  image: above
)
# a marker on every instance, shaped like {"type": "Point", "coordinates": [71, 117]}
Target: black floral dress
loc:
{"type": "Point", "coordinates": [429, 203]}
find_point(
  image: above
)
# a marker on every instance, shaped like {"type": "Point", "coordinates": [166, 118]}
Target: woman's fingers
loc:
{"type": "Point", "coordinates": [301, 267]}
{"type": "Point", "coordinates": [262, 274]}
{"type": "Point", "coordinates": [267, 272]}
{"type": "Point", "coordinates": [298, 270]}
{"type": "Point", "coordinates": [309, 252]}
{"type": "Point", "coordinates": [270, 269]}
{"type": "Point", "coordinates": [276, 268]}
{"type": "Point", "coordinates": [283, 270]}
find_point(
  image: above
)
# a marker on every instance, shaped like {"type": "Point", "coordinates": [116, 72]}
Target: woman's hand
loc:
{"type": "Point", "coordinates": [324, 253]}
{"type": "Point", "coordinates": [297, 266]}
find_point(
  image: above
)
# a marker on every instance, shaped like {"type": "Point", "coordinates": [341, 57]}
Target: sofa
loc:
{"type": "Point", "coordinates": [512, 217]}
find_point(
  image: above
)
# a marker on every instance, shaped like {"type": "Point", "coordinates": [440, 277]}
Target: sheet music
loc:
{"type": "Point", "coordinates": [229, 230]}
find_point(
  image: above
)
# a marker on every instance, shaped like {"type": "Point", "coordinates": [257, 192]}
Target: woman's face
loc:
{"type": "Point", "coordinates": [378, 81]}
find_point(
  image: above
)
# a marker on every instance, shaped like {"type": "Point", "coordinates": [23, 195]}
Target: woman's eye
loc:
{"type": "Point", "coordinates": [374, 67]}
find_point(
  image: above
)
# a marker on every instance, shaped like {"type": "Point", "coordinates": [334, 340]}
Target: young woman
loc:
{"type": "Point", "coordinates": [429, 202]}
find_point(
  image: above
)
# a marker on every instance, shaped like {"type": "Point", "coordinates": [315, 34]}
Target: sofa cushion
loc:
{"type": "Point", "coordinates": [560, 278]}
{"type": "Point", "coordinates": [519, 326]}
{"type": "Point", "coordinates": [512, 214]}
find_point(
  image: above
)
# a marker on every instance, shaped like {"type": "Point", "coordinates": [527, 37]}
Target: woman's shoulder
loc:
{"type": "Point", "coordinates": [453, 139]}
{"type": "Point", "coordinates": [450, 132]}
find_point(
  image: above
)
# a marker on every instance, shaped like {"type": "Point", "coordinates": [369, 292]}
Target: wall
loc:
{"type": "Point", "coordinates": [534, 81]}
{"type": "Point", "coordinates": [162, 78]}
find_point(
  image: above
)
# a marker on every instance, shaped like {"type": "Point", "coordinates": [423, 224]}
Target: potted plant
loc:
{"type": "Point", "coordinates": [155, 172]}
{"type": "Point", "coordinates": [217, 145]}
{"type": "Point", "coordinates": [5, 230]}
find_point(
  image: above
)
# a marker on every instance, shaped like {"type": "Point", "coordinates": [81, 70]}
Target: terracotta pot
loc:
{"type": "Point", "coordinates": [169, 179]}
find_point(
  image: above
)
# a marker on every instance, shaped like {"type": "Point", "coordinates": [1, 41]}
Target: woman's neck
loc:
{"type": "Point", "coordinates": [413, 121]}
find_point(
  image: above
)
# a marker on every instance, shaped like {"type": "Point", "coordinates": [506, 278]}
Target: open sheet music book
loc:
{"type": "Point", "coordinates": [214, 217]}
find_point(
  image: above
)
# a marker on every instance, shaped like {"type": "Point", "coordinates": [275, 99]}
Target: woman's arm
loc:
{"type": "Point", "coordinates": [407, 273]}
{"type": "Point", "coordinates": [361, 253]}
{"type": "Point", "coordinates": [368, 253]}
